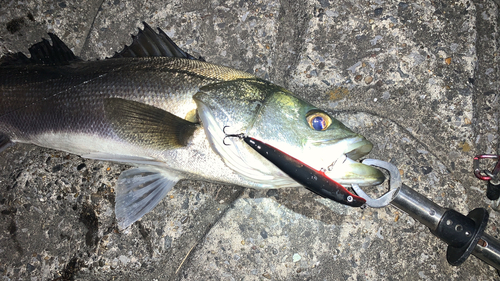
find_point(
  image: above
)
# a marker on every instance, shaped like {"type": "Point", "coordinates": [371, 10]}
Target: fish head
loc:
{"type": "Point", "coordinates": [275, 116]}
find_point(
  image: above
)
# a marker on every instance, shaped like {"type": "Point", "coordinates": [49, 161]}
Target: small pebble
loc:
{"type": "Point", "coordinates": [296, 257]}
{"type": "Point", "coordinates": [368, 79]}
{"type": "Point", "coordinates": [184, 219]}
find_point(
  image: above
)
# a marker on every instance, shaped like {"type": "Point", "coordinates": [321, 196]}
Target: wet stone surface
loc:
{"type": "Point", "coordinates": [419, 80]}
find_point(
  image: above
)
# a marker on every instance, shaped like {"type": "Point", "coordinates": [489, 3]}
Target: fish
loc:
{"type": "Point", "coordinates": [167, 114]}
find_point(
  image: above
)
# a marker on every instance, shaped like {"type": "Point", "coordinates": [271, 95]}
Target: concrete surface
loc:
{"type": "Point", "coordinates": [420, 80]}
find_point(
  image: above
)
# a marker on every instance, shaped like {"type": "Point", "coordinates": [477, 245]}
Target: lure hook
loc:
{"type": "Point", "coordinates": [240, 136]}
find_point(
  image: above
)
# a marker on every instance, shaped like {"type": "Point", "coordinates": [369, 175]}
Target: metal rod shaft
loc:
{"type": "Point", "coordinates": [488, 250]}
{"type": "Point", "coordinates": [418, 207]}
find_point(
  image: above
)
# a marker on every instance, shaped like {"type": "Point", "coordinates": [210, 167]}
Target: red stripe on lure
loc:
{"type": "Point", "coordinates": [312, 179]}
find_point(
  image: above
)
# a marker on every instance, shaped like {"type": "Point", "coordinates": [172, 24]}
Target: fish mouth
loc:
{"type": "Point", "coordinates": [346, 170]}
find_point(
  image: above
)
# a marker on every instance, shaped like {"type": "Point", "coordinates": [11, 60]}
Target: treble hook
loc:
{"type": "Point", "coordinates": [240, 136]}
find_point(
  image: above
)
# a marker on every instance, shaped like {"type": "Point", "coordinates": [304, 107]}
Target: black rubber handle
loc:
{"type": "Point", "coordinates": [493, 191]}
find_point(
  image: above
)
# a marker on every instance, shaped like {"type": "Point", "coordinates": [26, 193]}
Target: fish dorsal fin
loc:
{"type": "Point", "coordinates": [148, 43]}
{"type": "Point", "coordinates": [43, 53]}
{"type": "Point", "coordinates": [146, 125]}
{"type": "Point", "coordinates": [139, 190]}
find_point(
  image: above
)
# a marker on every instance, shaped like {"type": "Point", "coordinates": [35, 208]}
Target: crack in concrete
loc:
{"type": "Point", "coordinates": [292, 19]}
{"type": "Point", "coordinates": [485, 91]}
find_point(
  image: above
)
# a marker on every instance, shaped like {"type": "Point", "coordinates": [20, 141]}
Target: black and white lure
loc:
{"type": "Point", "coordinates": [312, 179]}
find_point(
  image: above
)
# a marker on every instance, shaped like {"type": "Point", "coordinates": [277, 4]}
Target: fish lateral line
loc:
{"type": "Point", "coordinates": [312, 179]}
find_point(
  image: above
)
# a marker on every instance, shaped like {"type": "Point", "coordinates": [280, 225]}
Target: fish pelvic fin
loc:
{"type": "Point", "coordinates": [139, 190]}
{"type": "Point", "coordinates": [43, 53]}
{"type": "Point", "coordinates": [5, 142]}
{"type": "Point", "coordinates": [148, 43]}
{"type": "Point", "coordinates": [146, 125]}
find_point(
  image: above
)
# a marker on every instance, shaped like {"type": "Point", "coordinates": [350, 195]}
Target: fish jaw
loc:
{"type": "Point", "coordinates": [338, 160]}
{"type": "Point", "coordinates": [346, 170]}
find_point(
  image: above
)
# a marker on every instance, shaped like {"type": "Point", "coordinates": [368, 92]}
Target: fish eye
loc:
{"type": "Point", "coordinates": [318, 120]}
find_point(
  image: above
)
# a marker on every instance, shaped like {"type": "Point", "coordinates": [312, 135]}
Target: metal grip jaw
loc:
{"type": "Point", "coordinates": [394, 183]}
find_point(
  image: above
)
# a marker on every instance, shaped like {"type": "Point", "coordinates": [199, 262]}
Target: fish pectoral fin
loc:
{"type": "Point", "coordinates": [5, 142]}
{"type": "Point", "coordinates": [139, 190]}
{"type": "Point", "coordinates": [146, 125]}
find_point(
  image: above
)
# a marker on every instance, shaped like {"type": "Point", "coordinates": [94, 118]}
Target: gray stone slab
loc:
{"type": "Point", "coordinates": [420, 80]}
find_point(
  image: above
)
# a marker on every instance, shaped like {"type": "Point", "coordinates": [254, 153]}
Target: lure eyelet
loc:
{"type": "Point", "coordinates": [318, 120]}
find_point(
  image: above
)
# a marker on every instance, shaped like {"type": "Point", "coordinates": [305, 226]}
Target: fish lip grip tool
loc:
{"type": "Point", "coordinates": [463, 234]}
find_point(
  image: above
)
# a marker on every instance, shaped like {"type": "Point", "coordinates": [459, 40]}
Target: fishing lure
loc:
{"type": "Point", "coordinates": [312, 179]}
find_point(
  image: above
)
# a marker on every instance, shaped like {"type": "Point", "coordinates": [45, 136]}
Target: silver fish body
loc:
{"type": "Point", "coordinates": [63, 107]}
{"type": "Point", "coordinates": [166, 116]}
